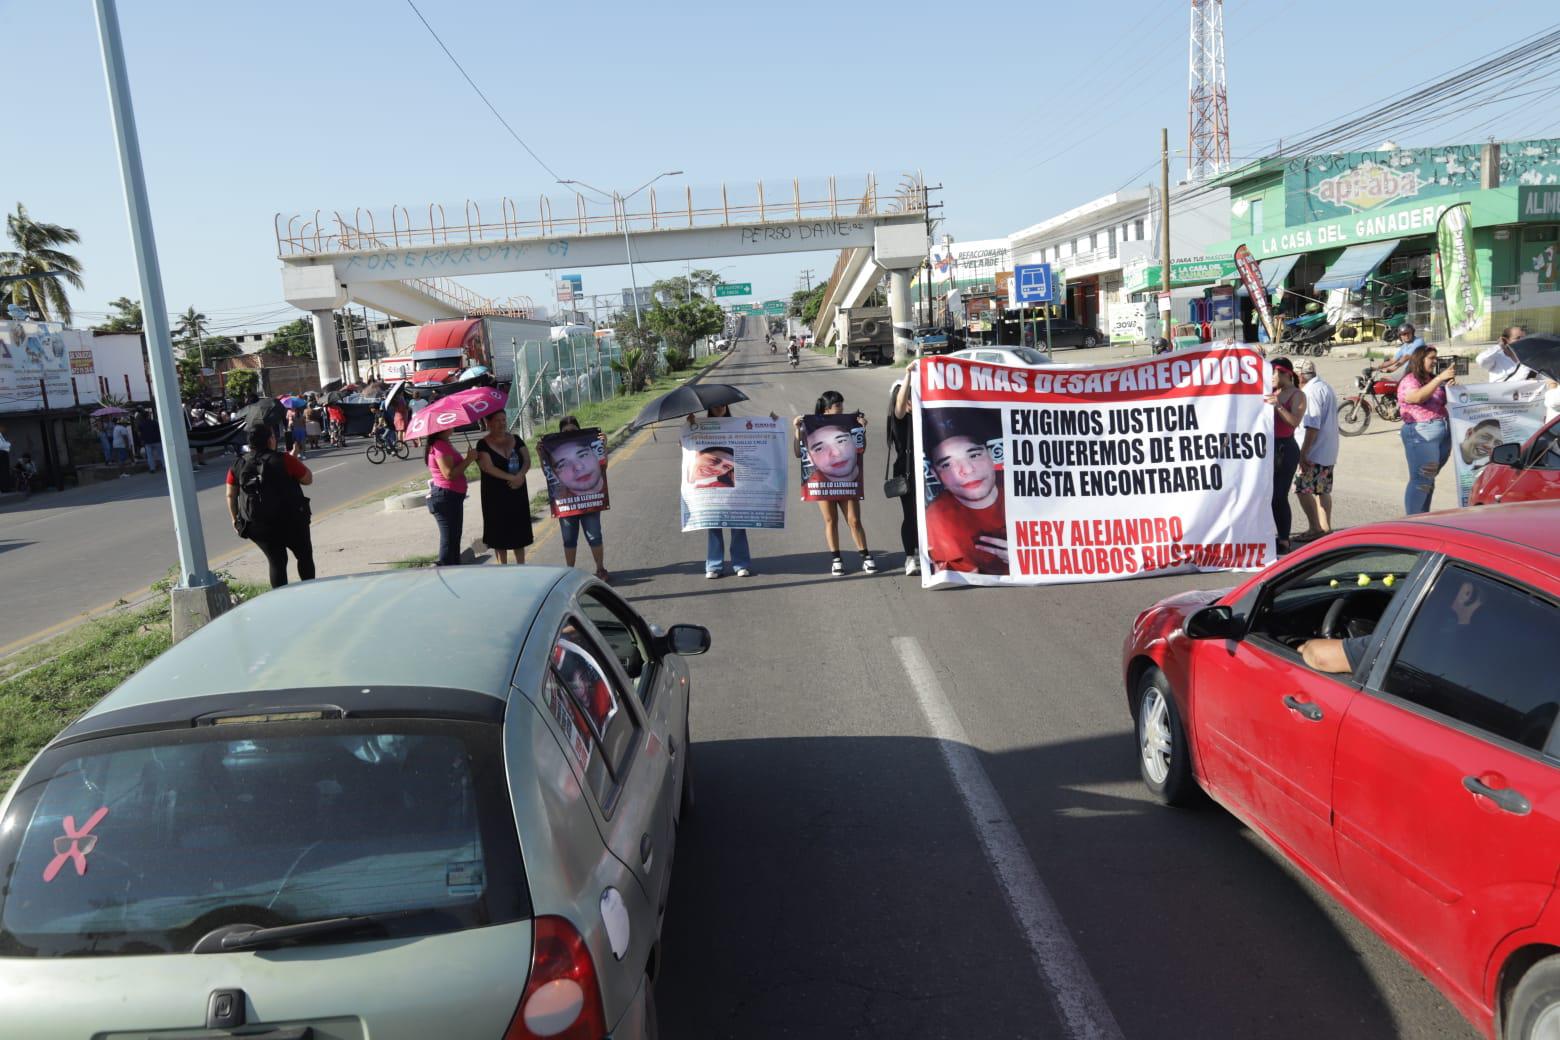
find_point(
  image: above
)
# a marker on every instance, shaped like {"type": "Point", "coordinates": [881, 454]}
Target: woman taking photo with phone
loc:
{"type": "Point", "coordinates": [1427, 436]}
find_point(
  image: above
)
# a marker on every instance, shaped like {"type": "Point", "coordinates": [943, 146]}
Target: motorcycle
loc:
{"type": "Point", "coordinates": [795, 357]}
{"type": "Point", "coordinates": [1372, 395]}
{"type": "Point", "coordinates": [774, 348]}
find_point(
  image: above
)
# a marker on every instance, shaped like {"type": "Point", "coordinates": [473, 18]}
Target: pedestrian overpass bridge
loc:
{"type": "Point", "coordinates": [405, 264]}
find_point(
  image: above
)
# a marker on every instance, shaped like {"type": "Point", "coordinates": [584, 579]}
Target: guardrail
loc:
{"type": "Point", "coordinates": [320, 234]}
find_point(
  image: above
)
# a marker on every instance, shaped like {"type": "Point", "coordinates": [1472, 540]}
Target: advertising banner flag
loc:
{"type": "Point", "coordinates": [831, 450]}
{"type": "Point", "coordinates": [734, 473]}
{"type": "Point", "coordinates": [1485, 415]}
{"type": "Point", "coordinates": [575, 465]}
{"type": "Point", "coordinates": [1460, 283]}
{"type": "Point", "coordinates": [1256, 288]}
{"type": "Point", "coordinates": [1077, 473]}
{"type": "Point", "coordinates": [35, 369]}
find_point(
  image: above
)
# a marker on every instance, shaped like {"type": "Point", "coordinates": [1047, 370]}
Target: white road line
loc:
{"type": "Point", "coordinates": [1072, 988]}
{"type": "Point", "coordinates": [327, 469]}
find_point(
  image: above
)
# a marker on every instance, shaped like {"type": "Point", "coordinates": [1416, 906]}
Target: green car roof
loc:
{"type": "Point", "coordinates": [457, 628]}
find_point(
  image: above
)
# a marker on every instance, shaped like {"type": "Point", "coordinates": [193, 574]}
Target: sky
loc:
{"type": "Point", "coordinates": [1020, 110]}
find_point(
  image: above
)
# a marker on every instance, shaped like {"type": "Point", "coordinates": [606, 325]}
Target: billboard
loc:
{"type": "Point", "coordinates": [35, 366]}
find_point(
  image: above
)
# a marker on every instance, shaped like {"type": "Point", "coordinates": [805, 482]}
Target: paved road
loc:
{"type": "Point", "coordinates": [918, 813]}
{"type": "Point", "coordinates": [67, 552]}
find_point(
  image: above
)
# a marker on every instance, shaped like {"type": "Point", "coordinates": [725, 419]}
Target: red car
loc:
{"type": "Point", "coordinates": [1521, 472]}
{"type": "Point", "coordinates": [1419, 784]}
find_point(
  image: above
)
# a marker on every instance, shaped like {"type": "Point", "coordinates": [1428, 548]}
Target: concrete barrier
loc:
{"type": "Point", "coordinates": [407, 500]}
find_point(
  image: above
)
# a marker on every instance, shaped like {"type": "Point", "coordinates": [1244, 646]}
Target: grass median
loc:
{"type": "Point", "coordinates": [45, 688]}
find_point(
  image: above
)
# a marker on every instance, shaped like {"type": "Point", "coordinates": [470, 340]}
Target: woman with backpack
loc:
{"type": "Point", "coordinates": [267, 506]}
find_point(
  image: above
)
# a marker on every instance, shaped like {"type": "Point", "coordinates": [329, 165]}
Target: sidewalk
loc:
{"type": "Point", "coordinates": [372, 537]}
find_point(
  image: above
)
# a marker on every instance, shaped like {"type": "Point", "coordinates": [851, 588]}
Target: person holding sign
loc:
{"type": "Point", "coordinates": [712, 468]}
{"type": "Point", "coordinates": [573, 479]}
{"type": "Point", "coordinates": [966, 524]}
{"type": "Point", "coordinates": [1426, 432]}
{"type": "Point", "coordinates": [830, 450]}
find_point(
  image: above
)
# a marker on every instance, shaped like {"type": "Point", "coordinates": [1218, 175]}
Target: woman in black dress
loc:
{"type": "Point", "coordinates": [506, 509]}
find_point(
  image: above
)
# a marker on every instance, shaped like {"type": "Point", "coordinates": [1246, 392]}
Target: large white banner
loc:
{"type": "Point", "coordinates": [1485, 415]}
{"type": "Point", "coordinates": [734, 473]}
{"type": "Point", "coordinates": [1090, 473]}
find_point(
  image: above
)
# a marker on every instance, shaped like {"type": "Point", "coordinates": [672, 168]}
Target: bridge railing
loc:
{"type": "Point", "coordinates": [398, 227]}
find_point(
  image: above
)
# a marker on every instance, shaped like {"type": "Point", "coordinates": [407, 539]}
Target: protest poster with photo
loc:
{"type": "Point", "coordinates": [575, 465]}
{"type": "Point", "coordinates": [1077, 473]}
{"type": "Point", "coordinates": [1485, 415]}
{"type": "Point", "coordinates": [832, 451]}
{"type": "Point", "coordinates": [734, 473]}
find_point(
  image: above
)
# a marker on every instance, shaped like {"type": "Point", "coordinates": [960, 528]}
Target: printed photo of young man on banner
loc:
{"type": "Point", "coordinates": [1484, 416]}
{"type": "Point", "coordinates": [1093, 472]}
{"type": "Point", "coordinates": [831, 452]}
{"type": "Point", "coordinates": [734, 473]}
{"type": "Point", "coordinates": [966, 513]}
{"type": "Point", "coordinates": [575, 465]}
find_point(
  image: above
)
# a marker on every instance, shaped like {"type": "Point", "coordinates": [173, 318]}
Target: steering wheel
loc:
{"type": "Point", "coordinates": [1330, 627]}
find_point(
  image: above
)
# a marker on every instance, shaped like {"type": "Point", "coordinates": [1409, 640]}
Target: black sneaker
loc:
{"type": "Point", "coordinates": [837, 567]}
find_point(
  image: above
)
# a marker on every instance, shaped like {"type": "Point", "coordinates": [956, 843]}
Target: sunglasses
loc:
{"type": "Point", "coordinates": [84, 844]}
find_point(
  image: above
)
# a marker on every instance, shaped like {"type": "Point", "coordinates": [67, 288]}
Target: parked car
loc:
{"type": "Point", "coordinates": [1013, 357]}
{"type": "Point", "coordinates": [1420, 787]}
{"type": "Point", "coordinates": [1068, 333]}
{"type": "Point", "coordinates": [282, 825]}
{"type": "Point", "coordinates": [1521, 472]}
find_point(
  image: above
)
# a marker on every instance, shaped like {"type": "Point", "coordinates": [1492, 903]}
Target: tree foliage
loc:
{"type": "Point", "coordinates": [34, 253]}
{"type": "Point", "coordinates": [124, 316]}
{"type": "Point", "coordinates": [685, 286]}
{"type": "Point", "coordinates": [191, 385]}
{"type": "Point", "coordinates": [806, 303]}
{"type": "Point", "coordinates": [681, 324]}
{"type": "Point", "coordinates": [296, 338]}
{"type": "Point", "coordinates": [641, 345]}
{"type": "Point", "coordinates": [220, 347]}
{"type": "Point", "coordinates": [241, 382]}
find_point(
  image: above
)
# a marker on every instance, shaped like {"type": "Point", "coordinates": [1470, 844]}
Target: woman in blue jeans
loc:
{"type": "Point", "coordinates": [447, 497]}
{"type": "Point", "coordinates": [715, 537]}
{"type": "Point", "coordinates": [569, 527]}
{"type": "Point", "coordinates": [1427, 436]}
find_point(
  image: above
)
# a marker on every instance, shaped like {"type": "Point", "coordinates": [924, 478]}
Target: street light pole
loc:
{"type": "Point", "coordinates": [628, 249]}
{"type": "Point", "coordinates": [199, 596]}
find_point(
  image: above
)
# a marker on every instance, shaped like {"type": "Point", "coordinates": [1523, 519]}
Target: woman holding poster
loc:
{"type": "Point", "coordinates": [830, 445]}
{"type": "Point", "coordinates": [714, 467]}
{"type": "Point", "coordinates": [574, 461]}
{"type": "Point", "coordinates": [966, 523]}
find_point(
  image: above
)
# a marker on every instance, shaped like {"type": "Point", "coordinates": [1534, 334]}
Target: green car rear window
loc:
{"type": "Point", "coordinates": [144, 843]}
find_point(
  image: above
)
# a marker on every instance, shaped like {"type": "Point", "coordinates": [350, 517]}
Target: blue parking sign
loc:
{"type": "Point", "coordinates": [1032, 283]}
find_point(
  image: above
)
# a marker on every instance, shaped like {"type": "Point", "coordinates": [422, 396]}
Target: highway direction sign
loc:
{"type": "Point", "coordinates": [734, 289]}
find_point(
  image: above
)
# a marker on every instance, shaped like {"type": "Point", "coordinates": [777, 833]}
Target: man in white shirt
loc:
{"type": "Point", "coordinates": [1318, 452]}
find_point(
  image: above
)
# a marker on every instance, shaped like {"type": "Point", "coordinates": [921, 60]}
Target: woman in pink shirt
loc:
{"type": "Point", "coordinates": [447, 497]}
{"type": "Point", "coordinates": [1427, 437]}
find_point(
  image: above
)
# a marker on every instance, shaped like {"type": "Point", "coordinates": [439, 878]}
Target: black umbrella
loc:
{"type": "Point", "coordinates": [686, 400]}
{"type": "Point", "coordinates": [334, 384]}
{"type": "Point", "coordinates": [1540, 352]}
{"type": "Point", "coordinates": [265, 412]}
{"type": "Point", "coordinates": [204, 437]}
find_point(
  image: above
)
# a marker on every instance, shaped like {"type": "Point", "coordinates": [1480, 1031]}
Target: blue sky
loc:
{"type": "Point", "coordinates": [1019, 110]}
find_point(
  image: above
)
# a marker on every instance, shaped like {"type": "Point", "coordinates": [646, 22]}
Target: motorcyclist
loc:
{"type": "Point", "coordinates": [793, 352]}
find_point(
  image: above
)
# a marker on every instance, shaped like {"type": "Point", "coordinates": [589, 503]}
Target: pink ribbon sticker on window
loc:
{"type": "Point", "coordinates": [74, 845]}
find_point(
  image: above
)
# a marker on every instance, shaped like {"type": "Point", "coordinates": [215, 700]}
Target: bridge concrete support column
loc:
{"type": "Point", "coordinates": [901, 313]}
{"type": "Point", "coordinates": [326, 352]}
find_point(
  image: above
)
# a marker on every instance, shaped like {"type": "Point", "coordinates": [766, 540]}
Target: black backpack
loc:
{"type": "Point", "coordinates": [269, 499]}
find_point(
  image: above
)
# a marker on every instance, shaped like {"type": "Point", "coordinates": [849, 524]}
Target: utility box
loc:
{"type": "Point", "coordinates": [865, 334]}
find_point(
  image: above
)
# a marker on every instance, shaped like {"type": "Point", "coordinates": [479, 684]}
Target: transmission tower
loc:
{"type": "Point", "coordinates": [1207, 102]}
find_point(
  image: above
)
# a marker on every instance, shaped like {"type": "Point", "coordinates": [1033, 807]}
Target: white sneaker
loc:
{"type": "Point", "coordinates": [911, 566]}
{"type": "Point", "coordinates": [868, 564]}
{"type": "Point", "coordinates": [837, 567]}
{"type": "Point", "coordinates": [743, 572]}
{"type": "Point", "coordinates": [712, 575]}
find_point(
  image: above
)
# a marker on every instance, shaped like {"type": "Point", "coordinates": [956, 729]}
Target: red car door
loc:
{"type": "Point", "coordinates": [1447, 805]}
{"type": "Point", "coordinates": [1267, 725]}
{"type": "Point", "coordinates": [1537, 476]}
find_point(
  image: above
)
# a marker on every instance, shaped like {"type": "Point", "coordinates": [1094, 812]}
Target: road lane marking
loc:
{"type": "Point", "coordinates": [1073, 991]}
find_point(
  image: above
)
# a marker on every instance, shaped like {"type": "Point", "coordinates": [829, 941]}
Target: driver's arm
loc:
{"type": "Point", "coordinates": [1325, 655]}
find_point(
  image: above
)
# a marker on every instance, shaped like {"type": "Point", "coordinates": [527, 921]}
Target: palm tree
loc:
{"type": "Point", "coordinates": [35, 257]}
{"type": "Point", "coordinates": [190, 330]}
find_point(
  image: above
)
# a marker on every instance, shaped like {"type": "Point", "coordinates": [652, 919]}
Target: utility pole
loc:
{"type": "Point", "coordinates": [199, 596]}
{"type": "Point", "coordinates": [807, 279]}
{"type": "Point", "coordinates": [1164, 230]}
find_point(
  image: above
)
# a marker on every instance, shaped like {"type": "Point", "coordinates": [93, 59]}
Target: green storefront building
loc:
{"type": "Point", "coordinates": [1364, 223]}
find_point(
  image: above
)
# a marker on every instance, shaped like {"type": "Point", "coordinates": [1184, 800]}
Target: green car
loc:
{"type": "Point", "coordinates": [437, 803]}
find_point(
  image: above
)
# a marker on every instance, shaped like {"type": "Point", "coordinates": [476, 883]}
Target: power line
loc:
{"type": "Point", "coordinates": [496, 114]}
